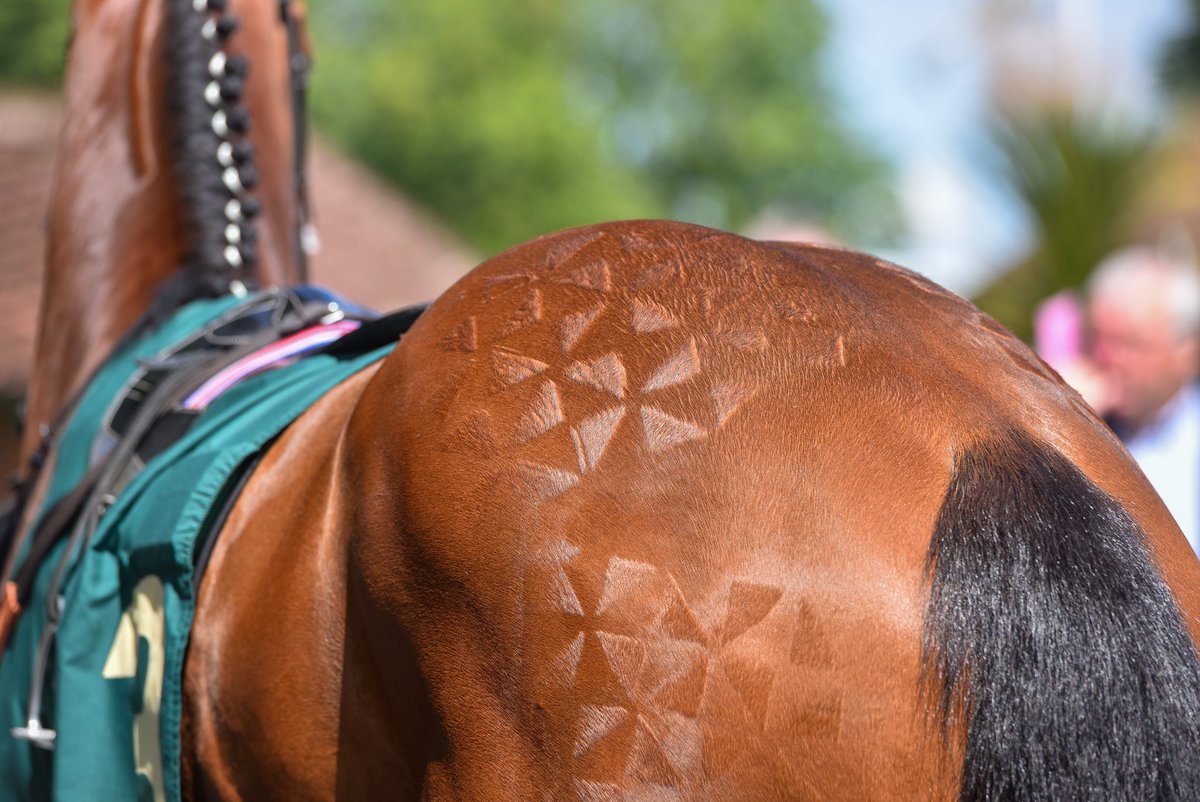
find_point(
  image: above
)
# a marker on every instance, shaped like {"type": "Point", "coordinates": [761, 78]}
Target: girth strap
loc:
{"type": "Point", "coordinates": [50, 530]}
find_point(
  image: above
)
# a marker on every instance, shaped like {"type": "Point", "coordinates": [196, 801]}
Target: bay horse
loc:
{"type": "Point", "coordinates": [635, 511]}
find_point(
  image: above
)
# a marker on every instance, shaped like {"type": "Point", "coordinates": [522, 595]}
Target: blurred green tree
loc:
{"type": "Point", "coordinates": [1078, 179]}
{"type": "Point", "coordinates": [513, 119]}
{"type": "Point", "coordinates": [33, 41]}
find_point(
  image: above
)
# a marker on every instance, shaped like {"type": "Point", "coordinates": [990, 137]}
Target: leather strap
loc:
{"type": "Point", "coordinates": [376, 333]}
{"type": "Point", "coordinates": [10, 609]}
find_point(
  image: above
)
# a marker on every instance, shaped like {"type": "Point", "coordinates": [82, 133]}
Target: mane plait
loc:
{"type": "Point", "coordinates": [213, 156]}
{"type": "Point", "coordinates": [1052, 643]}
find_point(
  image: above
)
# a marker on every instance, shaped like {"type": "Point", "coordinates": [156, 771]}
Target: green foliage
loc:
{"type": "Point", "coordinates": [510, 120]}
{"type": "Point", "coordinates": [1078, 180]}
{"type": "Point", "coordinates": [720, 104]}
{"type": "Point", "coordinates": [33, 41]}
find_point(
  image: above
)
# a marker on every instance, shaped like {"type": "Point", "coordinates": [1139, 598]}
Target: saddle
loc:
{"type": "Point", "coordinates": [147, 462]}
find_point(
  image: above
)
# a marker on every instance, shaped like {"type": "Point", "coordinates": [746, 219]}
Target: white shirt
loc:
{"type": "Point", "coordinates": [1168, 451]}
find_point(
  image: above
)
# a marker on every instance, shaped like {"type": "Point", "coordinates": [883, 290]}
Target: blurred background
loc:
{"type": "Point", "coordinates": [1004, 148]}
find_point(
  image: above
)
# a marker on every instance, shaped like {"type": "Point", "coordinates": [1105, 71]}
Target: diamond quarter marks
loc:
{"type": "Point", "coordinates": [595, 381]}
{"type": "Point", "coordinates": [589, 791]}
{"type": "Point", "coordinates": [659, 272]}
{"type": "Point", "coordinates": [647, 317]}
{"type": "Point", "coordinates": [648, 687]}
{"type": "Point", "coordinates": [593, 436]}
{"type": "Point", "coordinates": [497, 286]}
{"type": "Point", "coordinates": [573, 326]}
{"type": "Point", "coordinates": [595, 723]}
{"type": "Point", "coordinates": [625, 657]}
{"type": "Point", "coordinates": [753, 684]}
{"type": "Point", "coordinates": [527, 314]}
{"type": "Point", "coordinates": [749, 603]}
{"type": "Point", "coordinates": [513, 368]}
{"type": "Point", "coordinates": [747, 340]}
{"type": "Point", "coordinates": [565, 668]}
{"type": "Point", "coordinates": [568, 247]}
{"type": "Point", "coordinates": [591, 276]}
{"type": "Point", "coordinates": [664, 431]}
{"type": "Point", "coordinates": [606, 373]}
{"type": "Point", "coordinates": [544, 415]}
{"type": "Point", "coordinates": [544, 481]}
{"type": "Point", "coordinates": [461, 338]}
{"type": "Point", "coordinates": [727, 397]}
{"type": "Point", "coordinates": [679, 368]}
{"type": "Point", "coordinates": [631, 592]}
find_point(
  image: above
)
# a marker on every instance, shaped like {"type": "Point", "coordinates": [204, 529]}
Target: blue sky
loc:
{"type": "Point", "coordinates": [914, 79]}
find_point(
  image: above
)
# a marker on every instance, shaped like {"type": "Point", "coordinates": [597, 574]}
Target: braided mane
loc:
{"type": "Point", "coordinates": [212, 155]}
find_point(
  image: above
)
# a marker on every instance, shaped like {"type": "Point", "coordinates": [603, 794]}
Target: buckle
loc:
{"type": "Point", "coordinates": [33, 731]}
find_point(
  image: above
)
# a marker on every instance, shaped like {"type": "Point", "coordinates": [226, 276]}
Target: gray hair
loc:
{"type": "Point", "coordinates": [1126, 274]}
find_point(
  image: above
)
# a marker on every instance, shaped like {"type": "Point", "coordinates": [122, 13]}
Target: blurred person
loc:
{"type": "Point", "coordinates": [1144, 317]}
{"type": "Point", "coordinates": [1058, 334]}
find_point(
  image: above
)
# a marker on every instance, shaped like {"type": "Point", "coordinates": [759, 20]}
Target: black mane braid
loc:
{"type": "Point", "coordinates": [211, 155]}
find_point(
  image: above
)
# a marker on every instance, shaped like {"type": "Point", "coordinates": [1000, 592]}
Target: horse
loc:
{"type": "Point", "coordinates": [639, 510]}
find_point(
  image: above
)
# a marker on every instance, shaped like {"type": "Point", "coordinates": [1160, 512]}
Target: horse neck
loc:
{"type": "Point", "coordinates": [122, 220]}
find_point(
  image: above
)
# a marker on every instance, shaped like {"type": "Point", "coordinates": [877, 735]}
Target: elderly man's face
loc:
{"type": "Point", "coordinates": [1135, 346]}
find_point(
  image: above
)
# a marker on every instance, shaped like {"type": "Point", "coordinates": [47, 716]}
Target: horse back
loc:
{"type": "Point", "coordinates": [647, 509]}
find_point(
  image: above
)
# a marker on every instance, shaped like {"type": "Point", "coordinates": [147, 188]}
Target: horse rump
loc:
{"type": "Point", "coordinates": [1055, 652]}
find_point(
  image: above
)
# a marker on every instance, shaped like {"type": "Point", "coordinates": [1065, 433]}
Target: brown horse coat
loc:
{"type": "Point", "coordinates": [641, 511]}
{"type": "Point", "coordinates": [637, 509]}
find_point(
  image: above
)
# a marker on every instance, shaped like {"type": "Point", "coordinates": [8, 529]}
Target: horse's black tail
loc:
{"type": "Point", "coordinates": [1052, 642]}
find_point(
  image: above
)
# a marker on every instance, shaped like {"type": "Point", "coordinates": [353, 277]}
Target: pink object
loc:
{"type": "Point", "coordinates": [271, 356]}
{"type": "Point", "coordinates": [1058, 329]}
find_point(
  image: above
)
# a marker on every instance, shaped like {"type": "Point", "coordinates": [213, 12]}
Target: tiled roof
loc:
{"type": "Point", "coordinates": [28, 136]}
{"type": "Point", "coordinates": [376, 247]}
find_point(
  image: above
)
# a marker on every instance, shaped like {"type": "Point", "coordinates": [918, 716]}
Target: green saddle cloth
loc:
{"type": "Point", "coordinates": [114, 686]}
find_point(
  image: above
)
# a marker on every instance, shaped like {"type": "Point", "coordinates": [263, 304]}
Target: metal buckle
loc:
{"type": "Point", "coordinates": [33, 731]}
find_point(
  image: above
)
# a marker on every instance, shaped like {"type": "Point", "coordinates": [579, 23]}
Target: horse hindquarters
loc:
{"type": "Point", "coordinates": [645, 510]}
{"type": "Point", "coordinates": [638, 519]}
